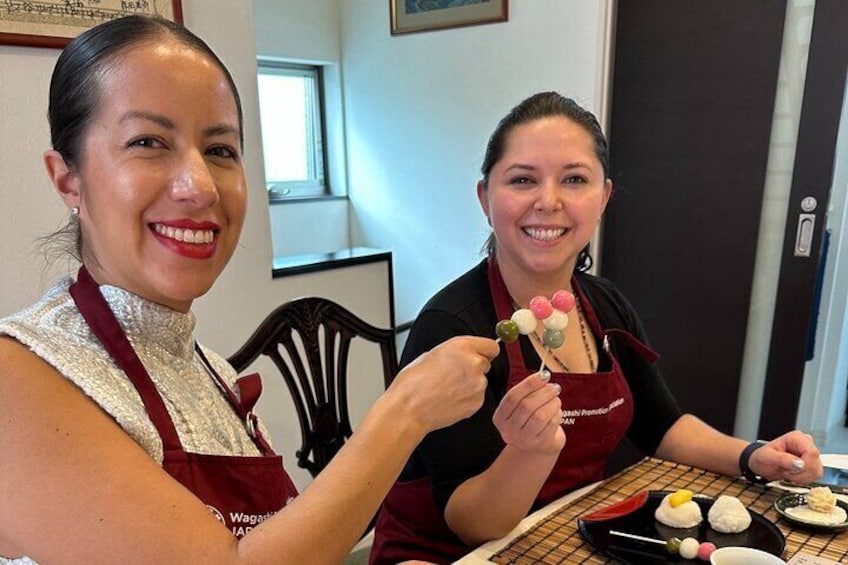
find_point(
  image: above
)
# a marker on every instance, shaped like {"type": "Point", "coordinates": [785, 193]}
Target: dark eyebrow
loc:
{"type": "Point", "coordinates": [520, 166]}
{"type": "Point", "coordinates": [220, 129]}
{"type": "Point", "coordinates": [568, 167]}
{"type": "Point", "coordinates": [167, 123]}
{"type": "Point", "coordinates": [149, 116]}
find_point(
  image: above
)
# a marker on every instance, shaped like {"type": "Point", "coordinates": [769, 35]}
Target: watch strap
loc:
{"type": "Point", "coordinates": [744, 462]}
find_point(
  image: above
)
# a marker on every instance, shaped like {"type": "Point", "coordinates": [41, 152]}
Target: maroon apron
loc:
{"type": "Point", "coordinates": [597, 411]}
{"type": "Point", "coordinates": [240, 491]}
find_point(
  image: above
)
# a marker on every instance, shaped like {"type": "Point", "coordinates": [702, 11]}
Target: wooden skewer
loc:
{"type": "Point", "coordinates": [634, 536]}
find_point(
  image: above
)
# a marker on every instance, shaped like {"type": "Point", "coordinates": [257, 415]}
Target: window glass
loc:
{"type": "Point", "coordinates": [292, 129]}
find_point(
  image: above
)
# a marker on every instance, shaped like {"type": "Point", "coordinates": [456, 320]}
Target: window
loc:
{"type": "Point", "coordinates": [292, 130]}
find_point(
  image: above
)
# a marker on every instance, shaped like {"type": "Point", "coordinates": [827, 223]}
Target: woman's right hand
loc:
{"type": "Point", "coordinates": [529, 416]}
{"type": "Point", "coordinates": [447, 383]}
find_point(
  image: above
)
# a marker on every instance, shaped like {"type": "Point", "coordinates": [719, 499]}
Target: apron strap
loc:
{"type": "Point", "coordinates": [103, 324]}
{"type": "Point", "coordinates": [504, 310]}
{"type": "Point", "coordinates": [250, 388]}
{"type": "Point", "coordinates": [588, 309]}
{"type": "Point", "coordinates": [100, 318]}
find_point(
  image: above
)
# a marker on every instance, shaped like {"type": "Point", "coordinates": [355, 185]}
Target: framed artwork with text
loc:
{"type": "Point", "coordinates": [409, 16]}
{"type": "Point", "coordinates": [53, 23]}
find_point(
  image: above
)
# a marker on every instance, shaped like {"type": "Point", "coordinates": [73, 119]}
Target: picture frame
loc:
{"type": "Point", "coordinates": [53, 23]}
{"type": "Point", "coordinates": [412, 16]}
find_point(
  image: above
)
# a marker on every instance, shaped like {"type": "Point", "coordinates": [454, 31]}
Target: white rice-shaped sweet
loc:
{"type": "Point", "coordinates": [728, 515]}
{"type": "Point", "coordinates": [687, 515]}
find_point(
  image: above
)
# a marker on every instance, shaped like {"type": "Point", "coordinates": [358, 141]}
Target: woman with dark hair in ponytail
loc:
{"type": "Point", "coordinates": [540, 434]}
{"type": "Point", "coordinates": [123, 440]}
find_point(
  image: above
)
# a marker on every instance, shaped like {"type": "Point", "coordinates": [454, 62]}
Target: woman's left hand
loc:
{"type": "Point", "coordinates": [791, 457]}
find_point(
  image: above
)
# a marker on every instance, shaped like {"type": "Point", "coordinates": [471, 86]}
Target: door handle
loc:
{"type": "Point", "coordinates": [804, 234]}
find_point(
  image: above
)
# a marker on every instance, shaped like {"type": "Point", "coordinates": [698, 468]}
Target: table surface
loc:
{"type": "Point", "coordinates": [551, 535]}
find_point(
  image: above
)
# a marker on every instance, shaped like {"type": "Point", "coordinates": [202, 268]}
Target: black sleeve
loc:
{"type": "Point", "coordinates": [655, 409]}
{"type": "Point", "coordinates": [454, 454]}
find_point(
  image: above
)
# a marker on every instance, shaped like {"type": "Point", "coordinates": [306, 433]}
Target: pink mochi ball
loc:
{"type": "Point", "coordinates": [705, 550]}
{"type": "Point", "coordinates": [563, 301]}
{"type": "Point", "coordinates": [541, 307]}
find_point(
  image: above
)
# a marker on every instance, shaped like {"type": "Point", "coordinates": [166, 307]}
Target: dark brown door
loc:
{"type": "Point", "coordinates": [692, 103]}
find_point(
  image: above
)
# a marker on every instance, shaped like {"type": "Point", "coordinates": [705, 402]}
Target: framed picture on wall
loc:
{"type": "Point", "coordinates": [53, 23]}
{"type": "Point", "coordinates": [409, 16]}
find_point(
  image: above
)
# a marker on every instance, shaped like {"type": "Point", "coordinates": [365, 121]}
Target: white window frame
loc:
{"type": "Point", "coordinates": [316, 184]}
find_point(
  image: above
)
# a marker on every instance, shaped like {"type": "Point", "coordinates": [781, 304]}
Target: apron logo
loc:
{"type": "Point", "coordinates": [569, 417]}
{"type": "Point", "coordinates": [216, 513]}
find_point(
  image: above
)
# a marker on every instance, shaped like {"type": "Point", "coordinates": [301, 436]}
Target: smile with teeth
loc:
{"type": "Point", "coordinates": [185, 235]}
{"type": "Point", "coordinates": [544, 234]}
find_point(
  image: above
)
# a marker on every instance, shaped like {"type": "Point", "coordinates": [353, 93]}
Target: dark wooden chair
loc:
{"type": "Point", "coordinates": [316, 373]}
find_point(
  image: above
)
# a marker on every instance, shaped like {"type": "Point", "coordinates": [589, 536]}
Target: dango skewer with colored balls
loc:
{"type": "Point", "coordinates": [552, 313]}
{"type": "Point", "coordinates": [687, 548]}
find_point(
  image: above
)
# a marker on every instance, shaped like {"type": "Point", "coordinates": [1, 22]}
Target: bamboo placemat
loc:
{"type": "Point", "coordinates": [557, 540]}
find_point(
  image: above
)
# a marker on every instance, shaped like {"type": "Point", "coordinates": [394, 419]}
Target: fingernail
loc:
{"type": "Point", "coordinates": [545, 375]}
{"type": "Point", "coordinates": [558, 388]}
{"type": "Point", "coordinates": [798, 465]}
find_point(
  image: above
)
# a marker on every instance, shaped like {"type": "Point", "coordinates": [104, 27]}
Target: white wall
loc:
{"type": "Point", "coordinates": [307, 31]}
{"type": "Point", "coordinates": [28, 207]}
{"type": "Point", "coordinates": [245, 293]}
{"type": "Point", "coordinates": [419, 110]}
{"type": "Point", "coordinates": [298, 29]}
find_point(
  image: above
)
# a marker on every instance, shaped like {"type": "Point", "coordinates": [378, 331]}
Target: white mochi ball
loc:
{"type": "Point", "coordinates": [728, 515]}
{"type": "Point", "coordinates": [558, 320]}
{"type": "Point", "coordinates": [686, 515]}
{"type": "Point", "coordinates": [525, 320]}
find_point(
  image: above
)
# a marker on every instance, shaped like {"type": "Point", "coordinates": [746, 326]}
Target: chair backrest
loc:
{"type": "Point", "coordinates": [316, 373]}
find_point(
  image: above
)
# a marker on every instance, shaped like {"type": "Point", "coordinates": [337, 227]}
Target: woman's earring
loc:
{"type": "Point", "coordinates": [75, 210]}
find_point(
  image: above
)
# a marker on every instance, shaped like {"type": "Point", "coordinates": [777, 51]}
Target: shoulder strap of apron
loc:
{"type": "Point", "coordinates": [250, 387]}
{"type": "Point", "coordinates": [96, 312]}
{"type": "Point", "coordinates": [504, 310]}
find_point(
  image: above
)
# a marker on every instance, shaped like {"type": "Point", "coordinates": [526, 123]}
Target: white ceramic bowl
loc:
{"type": "Point", "coordinates": [743, 556]}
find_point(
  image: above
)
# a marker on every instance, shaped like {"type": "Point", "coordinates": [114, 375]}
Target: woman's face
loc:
{"type": "Point", "coordinates": [161, 186]}
{"type": "Point", "coordinates": [545, 197]}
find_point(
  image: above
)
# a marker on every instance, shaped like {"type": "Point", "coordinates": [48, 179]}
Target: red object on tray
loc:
{"type": "Point", "coordinates": [622, 508]}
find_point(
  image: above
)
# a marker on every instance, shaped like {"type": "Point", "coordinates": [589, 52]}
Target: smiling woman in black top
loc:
{"type": "Point", "coordinates": [544, 188]}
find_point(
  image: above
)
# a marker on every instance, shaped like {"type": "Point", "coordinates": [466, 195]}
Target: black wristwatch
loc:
{"type": "Point", "coordinates": [745, 457]}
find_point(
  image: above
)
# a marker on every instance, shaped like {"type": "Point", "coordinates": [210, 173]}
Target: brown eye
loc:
{"type": "Point", "coordinates": [224, 152]}
{"type": "Point", "coordinates": [150, 142]}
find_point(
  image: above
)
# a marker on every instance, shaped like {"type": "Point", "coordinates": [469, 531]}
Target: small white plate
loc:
{"type": "Point", "coordinates": [788, 501]}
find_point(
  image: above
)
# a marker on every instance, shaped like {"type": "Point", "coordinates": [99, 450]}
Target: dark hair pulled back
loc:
{"type": "Point", "coordinates": [537, 107]}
